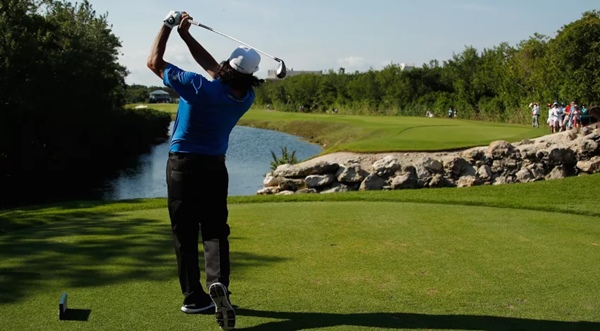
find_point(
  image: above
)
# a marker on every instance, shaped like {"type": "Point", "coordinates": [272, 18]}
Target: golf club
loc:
{"type": "Point", "coordinates": [281, 69]}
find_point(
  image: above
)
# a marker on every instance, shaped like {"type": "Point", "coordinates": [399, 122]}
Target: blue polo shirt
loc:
{"type": "Point", "coordinates": [207, 112]}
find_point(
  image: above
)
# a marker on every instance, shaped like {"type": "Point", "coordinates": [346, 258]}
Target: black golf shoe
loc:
{"type": "Point", "coordinates": [198, 304]}
{"type": "Point", "coordinates": [224, 312]}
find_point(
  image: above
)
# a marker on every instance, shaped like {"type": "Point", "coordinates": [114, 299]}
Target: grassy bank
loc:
{"type": "Point", "coordinates": [382, 133]}
{"type": "Point", "coordinates": [387, 133]}
{"type": "Point", "coordinates": [170, 108]}
{"type": "Point", "coordinates": [481, 258]}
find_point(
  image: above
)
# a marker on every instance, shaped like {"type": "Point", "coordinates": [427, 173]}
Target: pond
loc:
{"type": "Point", "coordinates": [248, 160]}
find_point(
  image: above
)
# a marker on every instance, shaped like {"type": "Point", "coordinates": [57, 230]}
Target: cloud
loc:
{"type": "Point", "coordinates": [352, 63]}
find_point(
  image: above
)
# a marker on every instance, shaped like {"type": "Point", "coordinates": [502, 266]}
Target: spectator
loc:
{"type": "Point", "coordinates": [560, 114]}
{"type": "Point", "coordinates": [568, 121]}
{"type": "Point", "coordinates": [566, 116]}
{"type": "Point", "coordinates": [535, 115]}
{"type": "Point", "coordinates": [556, 117]}
{"type": "Point", "coordinates": [548, 120]}
{"type": "Point", "coordinates": [576, 114]}
{"type": "Point", "coordinates": [584, 114]}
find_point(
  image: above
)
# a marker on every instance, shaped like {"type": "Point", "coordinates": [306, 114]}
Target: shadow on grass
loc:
{"type": "Point", "coordinates": [21, 218]}
{"type": "Point", "coordinates": [91, 249]}
{"type": "Point", "coordinates": [80, 315]}
{"type": "Point", "coordinates": [290, 321]}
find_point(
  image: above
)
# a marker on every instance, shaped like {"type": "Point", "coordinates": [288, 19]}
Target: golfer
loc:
{"type": "Point", "coordinates": [197, 177]}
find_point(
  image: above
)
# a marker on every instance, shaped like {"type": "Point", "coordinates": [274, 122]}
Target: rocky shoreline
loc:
{"type": "Point", "coordinates": [549, 157]}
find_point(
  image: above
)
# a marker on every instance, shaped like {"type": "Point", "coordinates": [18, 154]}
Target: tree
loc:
{"type": "Point", "coordinates": [364, 90]}
{"type": "Point", "coordinates": [63, 93]}
{"type": "Point", "coordinates": [461, 70]}
{"type": "Point", "coordinates": [575, 57]}
{"type": "Point", "coordinates": [328, 90]}
{"type": "Point", "coordinates": [303, 89]}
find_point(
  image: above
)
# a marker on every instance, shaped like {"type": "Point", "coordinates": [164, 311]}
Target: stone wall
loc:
{"type": "Point", "coordinates": [550, 157]}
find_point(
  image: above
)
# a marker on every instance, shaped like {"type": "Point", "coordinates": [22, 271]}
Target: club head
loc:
{"type": "Point", "coordinates": [281, 70]}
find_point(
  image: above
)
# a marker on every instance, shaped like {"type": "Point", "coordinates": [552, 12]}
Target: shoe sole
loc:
{"type": "Point", "coordinates": [224, 313]}
{"type": "Point", "coordinates": [197, 310]}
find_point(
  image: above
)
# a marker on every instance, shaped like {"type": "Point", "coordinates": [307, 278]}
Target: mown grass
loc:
{"type": "Point", "coordinates": [537, 196]}
{"type": "Point", "coordinates": [170, 108]}
{"type": "Point", "coordinates": [512, 257]}
{"type": "Point", "coordinates": [356, 133]}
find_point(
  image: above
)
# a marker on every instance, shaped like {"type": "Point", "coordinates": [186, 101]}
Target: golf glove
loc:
{"type": "Point", "coordinates": [173, 18]}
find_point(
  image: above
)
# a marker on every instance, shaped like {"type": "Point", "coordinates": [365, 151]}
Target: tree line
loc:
{"type": "Point", "coordinates": [137, 93]}
{"type": "Point", "coordinates": [63, 126]}
{"type": "Point", "coordinates": [493, 84]}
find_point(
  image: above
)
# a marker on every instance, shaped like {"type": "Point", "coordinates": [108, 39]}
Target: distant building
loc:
{"type": "Point", "coordinates": [272, 74]}
{"type": "Point", "coordinates": [406, 67]}
{"type": "Point", "coordinates": [160, 96]}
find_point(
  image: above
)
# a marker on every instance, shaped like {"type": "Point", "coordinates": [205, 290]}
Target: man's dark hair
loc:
{"type": "Point", "coordinates": [237, 80]}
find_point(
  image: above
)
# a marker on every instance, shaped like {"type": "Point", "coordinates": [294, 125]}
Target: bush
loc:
{"type": "Point", "coordinates": [286, 158]}
{"type": "Point", "coordinates": [143, 127]}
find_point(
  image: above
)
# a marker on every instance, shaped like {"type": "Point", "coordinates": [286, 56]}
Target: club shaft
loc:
{"type": "Point", "coordinates": [232, 38]}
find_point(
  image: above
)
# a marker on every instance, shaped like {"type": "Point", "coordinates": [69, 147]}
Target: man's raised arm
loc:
{"type": "Point", "coordinates": [156, 62]}
{"type": "Point", "coordinates": [200, 54]}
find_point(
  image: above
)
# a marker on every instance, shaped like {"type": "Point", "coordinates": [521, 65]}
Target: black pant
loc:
{"type": "Point", "coordinates": [197, 197]}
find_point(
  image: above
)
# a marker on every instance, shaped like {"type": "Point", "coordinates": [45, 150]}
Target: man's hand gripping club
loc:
{"type": "Point", "coordinates": [173, 19]}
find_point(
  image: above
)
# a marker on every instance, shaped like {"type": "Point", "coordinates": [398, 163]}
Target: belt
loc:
{"type": "Point", "coordinates": [194, 156]}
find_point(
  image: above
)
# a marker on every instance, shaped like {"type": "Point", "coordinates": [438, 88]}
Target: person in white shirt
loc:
{"type": "Point", "coordinates": [535, 115]}
{"type": "Point", "coordinates": [555, 115]}
{"type": "Point", "coordinates": [551, 117]}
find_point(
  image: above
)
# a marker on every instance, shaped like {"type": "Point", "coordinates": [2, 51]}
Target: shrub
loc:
{"type": "Point", "coordinates": [286, 158]}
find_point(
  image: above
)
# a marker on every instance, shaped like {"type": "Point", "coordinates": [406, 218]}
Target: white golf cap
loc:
{"type": "Point", "coordinates": [245, 60]}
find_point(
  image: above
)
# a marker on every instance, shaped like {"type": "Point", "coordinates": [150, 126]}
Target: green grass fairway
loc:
{"type": "Point", "coordinates": [170, 108]}
{"type": "Point", "coordinates": [388, 133]}
{"type": "Point", "coordinates": [381, 133]}
{"type": "Point", "coordinates": [516, 257]}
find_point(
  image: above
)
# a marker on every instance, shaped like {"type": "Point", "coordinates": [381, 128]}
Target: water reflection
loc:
{"type": "Point", "coordinates": [248, 159]}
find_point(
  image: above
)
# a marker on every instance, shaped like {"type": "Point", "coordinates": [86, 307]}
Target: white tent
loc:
{"type": "Point", "coordinates": [159, 93]}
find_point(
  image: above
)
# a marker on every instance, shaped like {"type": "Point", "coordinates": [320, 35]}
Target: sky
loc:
{"type": "Point", "coordinates": [330, 34]}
